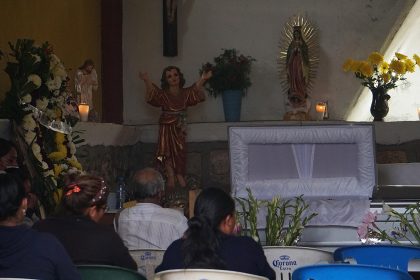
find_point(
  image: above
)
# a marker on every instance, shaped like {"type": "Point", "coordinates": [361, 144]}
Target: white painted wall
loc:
{"type": "Point", "coordinates": [347, 28]}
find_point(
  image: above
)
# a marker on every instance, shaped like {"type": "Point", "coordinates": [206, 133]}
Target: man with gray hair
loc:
{"type": "Point", "coordinates": [148, 225]}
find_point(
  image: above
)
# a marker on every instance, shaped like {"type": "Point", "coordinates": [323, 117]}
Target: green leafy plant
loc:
{"type": "Point", "coordinates": [231, 71]}
{"type": "Point", "coordinates": [405, 226]}
{"type": "Point", "coordinates": [249, 212]}
{"type": "Point", "coordinates": [285, 219]}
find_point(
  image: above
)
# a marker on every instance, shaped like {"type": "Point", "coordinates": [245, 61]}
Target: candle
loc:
{"type": "Point", "coordinates": [320, 107]}
{"type": "Point", "coordinates": [418, 112]}
{"type": "Point", "coordinates": [83, 112]}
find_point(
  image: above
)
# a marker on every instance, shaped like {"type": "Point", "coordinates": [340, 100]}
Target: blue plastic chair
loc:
{"type": "Point", "coordinates": [348, 272]}
{"type": "Point", "coordinates": [392, 256]}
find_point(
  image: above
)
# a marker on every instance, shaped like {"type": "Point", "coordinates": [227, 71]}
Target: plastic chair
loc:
{"type": "Point", "coordinates": [147, 260]}
{"type": "Point", "coordinates": [348, 272]}
{"type": "Point", "coordinates": [392, 256]}
{"type": "Point", "coordinates": [105, 272]}
{"type": "Point", "coordinates": [207, 274]}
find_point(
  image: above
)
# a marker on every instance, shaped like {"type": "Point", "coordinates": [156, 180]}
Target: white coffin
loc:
{"type": "Point", "coordinates": [332, 166]}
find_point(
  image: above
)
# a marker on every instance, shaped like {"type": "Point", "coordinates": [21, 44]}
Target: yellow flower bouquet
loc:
{"type": "Point", "coordinates": [380, 76]}
{"type": "Point", "coordinates": [375, 72]}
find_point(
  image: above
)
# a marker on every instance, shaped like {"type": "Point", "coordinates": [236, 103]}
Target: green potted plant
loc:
{"type": "Point", "coordinates": [230, 79]}
{"type": "Point", "coordinates": [285, 222]}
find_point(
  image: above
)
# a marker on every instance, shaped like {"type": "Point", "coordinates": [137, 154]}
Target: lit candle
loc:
{"type": "Point", "coordinates": [84, 112]}
{"type": "Point", "coordinates": [320, 107]}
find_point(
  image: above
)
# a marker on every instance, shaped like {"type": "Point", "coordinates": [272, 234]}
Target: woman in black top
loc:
{"type": "Point", "coordinates": [25, 253]}
{"type": "Point", "coordinates": [209, 244]}
{"type": "Point", "coordinates": [83, 204]}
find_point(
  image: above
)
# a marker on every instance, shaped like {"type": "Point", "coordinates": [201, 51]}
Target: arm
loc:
{"type": "Point", "coordinates": [203, 79]}
{"type": "Point", "coordinates": [147, 82]}
{"type": "Point", "coordinates": [64, 267]}
{"type": "Point", "coordinates": [94, 77]}
{"type": "Point", "coordinates": [121, 254]}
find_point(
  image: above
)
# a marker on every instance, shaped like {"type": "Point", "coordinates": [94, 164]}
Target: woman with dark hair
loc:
{"type": "Point", "coordinates": [209, 243]}
{"type": "Point", "coordinates": [82, 205]}
{"type": "Point", "coordinates": [174, 100]}
{"type": "Point", "coordinates": [33, 210]}
{"type": "Point", "coordinates": [8, 155]}
{"type": "Point", "coordinates": [26, 253]}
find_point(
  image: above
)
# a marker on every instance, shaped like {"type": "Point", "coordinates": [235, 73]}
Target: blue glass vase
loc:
{"type": "Point", "coordinates": [232, 101]}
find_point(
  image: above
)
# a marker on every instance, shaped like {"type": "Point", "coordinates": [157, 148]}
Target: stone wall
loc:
{"type": "Point", "coordinates": [207, 162]}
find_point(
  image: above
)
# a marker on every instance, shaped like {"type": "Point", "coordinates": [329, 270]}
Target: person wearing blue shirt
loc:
{"type": "Point", "coordinates": [26, 253]}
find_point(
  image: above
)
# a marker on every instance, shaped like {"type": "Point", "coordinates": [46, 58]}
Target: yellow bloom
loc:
{"type": "Point", "coordinates": [400, 56]}
{"type": "Point", "coordinates": [409, 65]}
{"type": "Point", "coordinates": [366, 69]}
{"type": "Point", "coordinates": [57, 195]}
{"type": "Point", "coordinates": [355, 66]}
{"type": "Point", "coordinates": [57, 169]}
{"type": "Point", "coordinates": [398, 67]}
{"type": "Point", "coordinates": [383, 67]}
{"type": "Point", "coordinates": [62, 149]}
{"type": "Point", "coordinates": [75, 163]}
{"type": "Point", "coordinates": [56, 156]}
{"type": "Point", "coordinates": [59, 138]}
{"type": "Point", "coordinates": [386, 77]}
{"type": "Point", "coordinates": [347, 66]}
{"type": "Point", "coordinates": [417, 59]}
{"type": "Point", "coordinates": [375, 58]}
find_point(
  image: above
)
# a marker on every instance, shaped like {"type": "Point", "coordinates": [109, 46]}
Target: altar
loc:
{"type": "Point", "coordinates": [112, 149]}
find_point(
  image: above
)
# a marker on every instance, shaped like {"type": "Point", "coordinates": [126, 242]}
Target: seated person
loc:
{"type": "Point", "coordinates": [209, 243]}
{"type": "Point", "coordinates": [8, 155]}
{"type": "Point", "coordinates": [33, 212]}
{"type": "Point", "coordinates": [24, 252]}
{"type": "Point", "coordinates": [76, 225]}
{"type": "Point", "coordinates": [148, 225]}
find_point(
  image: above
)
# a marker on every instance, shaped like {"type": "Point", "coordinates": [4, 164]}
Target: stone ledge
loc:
{"type": "Point", "coordinates": [108, 134]}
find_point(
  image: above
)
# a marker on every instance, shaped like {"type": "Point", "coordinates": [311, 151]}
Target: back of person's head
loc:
{"type": "Point", "coordinates": [11, 195]}
{"type": "Point", "coordinates": [146, 183]}
{"type": "Point", "coordinates": [86, 63]}
{"type": "Point", "coordinates": [8, 154]}
{"type": "Point", "coordinates": [5, 146]}
{"type": "Point", "coordinates": [82, 193]}
{"type": "Point", "coordinates": [202, 238]}
{"type": "Point", "coordinates": [22, 174]}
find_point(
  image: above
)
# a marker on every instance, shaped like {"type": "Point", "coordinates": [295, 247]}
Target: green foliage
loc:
{"type": "Point", "coordinates": [231, 71]}
{"type": "Point", "coordinates": [407, 224]}
{"type": "Point", "coordinates": [250, 208]}
{"type": "Point", "coordinates": [285, 219]}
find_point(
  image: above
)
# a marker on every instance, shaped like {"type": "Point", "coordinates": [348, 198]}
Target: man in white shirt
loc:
{"type": "Point", "coordinates": [148, 225]}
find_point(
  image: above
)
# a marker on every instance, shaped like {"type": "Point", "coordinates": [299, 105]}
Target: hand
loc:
{"type": "Point", "coordinates": [144, 76]}
{"type": "Point", "coordinates": [207, 75]}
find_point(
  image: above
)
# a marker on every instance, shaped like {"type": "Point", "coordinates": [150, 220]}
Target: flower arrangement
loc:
{"type": "Point", "coordinates": [405, 226]}
{"type": "Point", "coordinates": [285, 219]}
{"type": "Point", "coordinates": [375, 72]}
{"type": "Point", "coordinates": [231, 71]}
{"type": "Point", "coordinates": [43, 113]}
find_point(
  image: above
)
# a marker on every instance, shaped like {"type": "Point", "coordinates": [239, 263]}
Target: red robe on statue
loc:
{"type": "Point", "coordinates": [172, 124]}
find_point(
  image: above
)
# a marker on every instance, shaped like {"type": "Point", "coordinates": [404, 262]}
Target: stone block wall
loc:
{"type": "Point", "coordinates": [207, 162]}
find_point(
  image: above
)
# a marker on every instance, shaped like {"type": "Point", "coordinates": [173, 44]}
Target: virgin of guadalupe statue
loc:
{"type": "Point", "coordinates": [298, 62]}
{"type": "Point", "coordinates": [297, 69]}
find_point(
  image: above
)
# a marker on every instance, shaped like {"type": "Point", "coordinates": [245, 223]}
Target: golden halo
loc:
{"type": "Point", "coordinates": [310, 35]}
